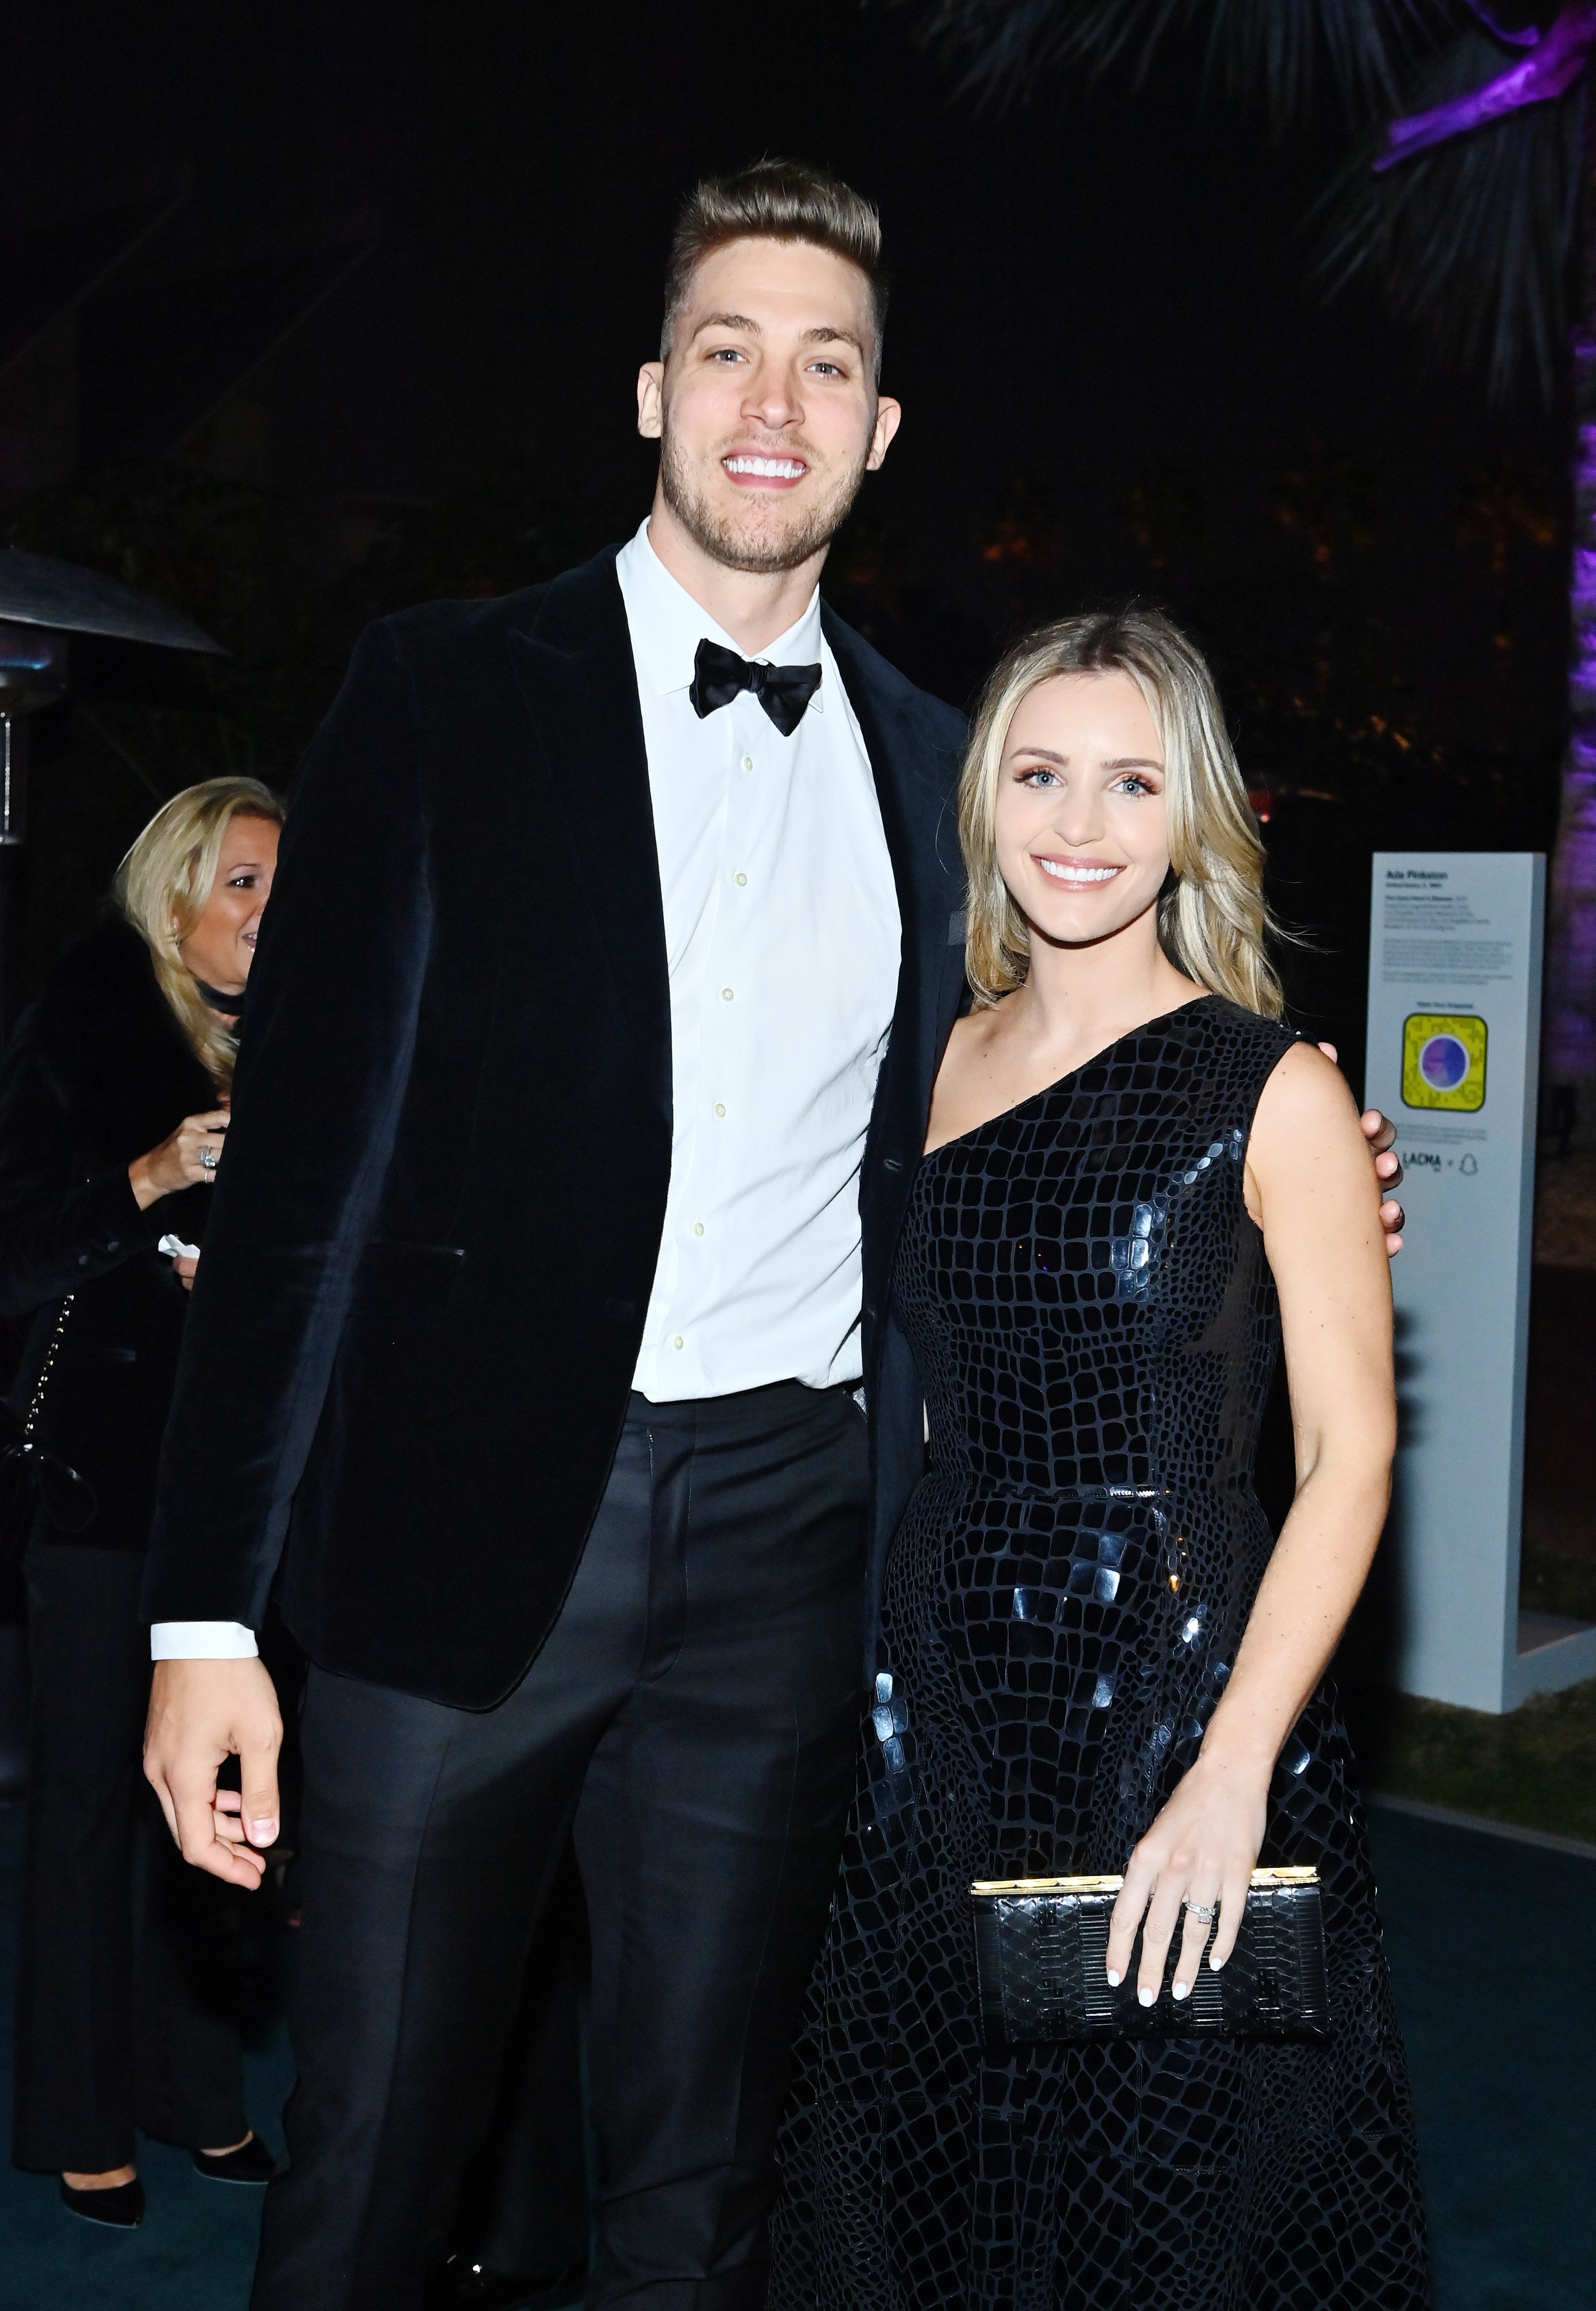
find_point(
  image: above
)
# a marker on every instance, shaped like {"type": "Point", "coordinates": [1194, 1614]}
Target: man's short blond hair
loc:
{"type": "Point", "coordinates": [775, 200]}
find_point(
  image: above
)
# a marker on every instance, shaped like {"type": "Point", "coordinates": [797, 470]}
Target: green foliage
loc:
{"type": "Point", "coordinates": [1536, 1765]}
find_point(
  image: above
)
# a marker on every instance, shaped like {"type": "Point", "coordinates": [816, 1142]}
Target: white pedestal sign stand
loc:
{"type": "Point", "coordinates": [1454, 1024]}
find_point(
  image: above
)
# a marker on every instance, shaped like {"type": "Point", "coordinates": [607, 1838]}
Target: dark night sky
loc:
{"type": "Point", "coordinates": [1081, 286]}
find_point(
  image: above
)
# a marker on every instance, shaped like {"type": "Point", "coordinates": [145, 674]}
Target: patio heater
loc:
{"type": "Point", "coordinates": [42, 603]}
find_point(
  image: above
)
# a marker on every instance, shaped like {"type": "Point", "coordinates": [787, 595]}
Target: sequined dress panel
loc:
{"type": "Point", "coordinates": [1095, 1326]}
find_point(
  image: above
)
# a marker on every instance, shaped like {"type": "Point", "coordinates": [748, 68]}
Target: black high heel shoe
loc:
{"type": "Point", "coordinates": [119, 2208]}
{"type": "Point", "coordinates": [251, 2162]}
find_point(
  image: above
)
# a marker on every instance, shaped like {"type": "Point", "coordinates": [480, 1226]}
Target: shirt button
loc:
{"type": "Point", "coordinates": [747, 762]}
{"type": "Point", "coordinates": [719, 1108]}
{"type": "Point", "coordinates": [698, 1228]}
{"type": "Point", "coordinates": [725, 995]}
{"type": "Point", "coordinates": [742, 879]}
{"type": "Point", "coordinates": [677, 1341]}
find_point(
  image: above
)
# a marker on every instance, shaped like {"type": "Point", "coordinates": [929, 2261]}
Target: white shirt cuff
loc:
{"type": "Point", "coordinates": [201, 1641]}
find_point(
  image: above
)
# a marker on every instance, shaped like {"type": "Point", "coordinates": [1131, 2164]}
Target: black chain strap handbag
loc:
{"type": "Point", "coordinates": [30, 1475]}
{"type": "Point", "coordinates": [1040, 1955]}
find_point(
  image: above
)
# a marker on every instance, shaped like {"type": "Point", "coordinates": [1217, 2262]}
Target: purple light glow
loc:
{"type": "Point", "coordinates": [1556, 59]}
{"type": "Point", "coordinates": [1526, 38]}
{"type": "Point", "coordinates": [1555, 62]}
{"type": "Point", "coordinates": [1570, 1049]}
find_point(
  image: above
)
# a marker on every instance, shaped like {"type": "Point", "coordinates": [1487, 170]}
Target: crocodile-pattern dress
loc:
{"type": "Point", "coordinates": [1095, 1325]}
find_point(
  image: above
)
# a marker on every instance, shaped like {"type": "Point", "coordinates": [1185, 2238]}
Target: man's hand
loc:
{"type": "Point", "coordinates": [1381, 1133]}
{"type": "Point", "coordinates": [200, 1712]}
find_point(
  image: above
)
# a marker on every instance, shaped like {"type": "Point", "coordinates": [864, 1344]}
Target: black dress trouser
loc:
{"type": "Point", "coordinates": [692, 1715]}
{"type": "Point", "coordinates": [524, 2197]}
{"type": "Point", "coordinates": [106, 2041]}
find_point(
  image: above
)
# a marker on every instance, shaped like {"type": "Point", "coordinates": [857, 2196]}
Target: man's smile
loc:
{"type": "Point", "coordinates": [748, 469]}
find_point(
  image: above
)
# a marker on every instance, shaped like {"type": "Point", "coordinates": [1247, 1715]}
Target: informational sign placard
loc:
{"type": "Point", "coordinates": [1454, 1022]}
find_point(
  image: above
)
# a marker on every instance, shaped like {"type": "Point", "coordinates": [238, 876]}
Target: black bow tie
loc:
{"type": "Point", "coordinates": [784, 691]}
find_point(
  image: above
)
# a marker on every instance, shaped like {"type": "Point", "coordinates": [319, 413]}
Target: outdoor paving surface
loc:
{"type": "Point", "coordinates": [1492, 1948]}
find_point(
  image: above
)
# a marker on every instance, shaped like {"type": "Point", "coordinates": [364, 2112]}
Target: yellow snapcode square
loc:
{"type": "Point", "coordinates": [1443, 1060]}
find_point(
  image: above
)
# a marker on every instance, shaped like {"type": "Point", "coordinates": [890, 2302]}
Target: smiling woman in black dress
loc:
{"type": "Point", "coordinates": [1095, 1657]}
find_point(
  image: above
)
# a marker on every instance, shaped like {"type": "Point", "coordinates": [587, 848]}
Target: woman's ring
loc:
{"type": "Point", "coordinates": [1204, 1911]}
{"type": "Point", "coordinates": [207, 1159]}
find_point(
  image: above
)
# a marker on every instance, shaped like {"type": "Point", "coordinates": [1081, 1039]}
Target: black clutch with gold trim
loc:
{"type": "Point", "coordinates": [1042, 1950]}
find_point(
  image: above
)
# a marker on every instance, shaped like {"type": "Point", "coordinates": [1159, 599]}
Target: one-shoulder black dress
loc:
{"type": "Point", "coordinates": [1095, 1325]}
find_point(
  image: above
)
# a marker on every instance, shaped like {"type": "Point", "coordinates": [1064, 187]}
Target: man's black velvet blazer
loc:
{"type": "Point", "coordinates": [434, 1232]}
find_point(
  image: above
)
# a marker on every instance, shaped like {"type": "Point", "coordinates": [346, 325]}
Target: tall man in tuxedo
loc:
{"type": "Point", "coordinates": [549, 1254]}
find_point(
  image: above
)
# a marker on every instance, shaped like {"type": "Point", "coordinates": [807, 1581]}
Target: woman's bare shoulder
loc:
{"type": "Point", "coordinates": [1306, 1139]}
{"type": "Point", "coordinates": [1304, 1091]}
{"type": "Point", "coordinates": [973, 1033]}
{"type": "Point", "coordinates": [979, 1037]}
{"type": "Point", "coordinates": [962, 1094]}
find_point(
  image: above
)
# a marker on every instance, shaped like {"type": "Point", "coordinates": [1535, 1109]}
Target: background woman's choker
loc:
{"type": "Point", "coordinates": [230, 1006]}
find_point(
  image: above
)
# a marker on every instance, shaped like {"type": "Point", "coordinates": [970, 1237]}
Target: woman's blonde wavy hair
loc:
{"type": "Point", "coordinates": [1212, 919]}
{"type": "Point", "coordinates": [163, 884]}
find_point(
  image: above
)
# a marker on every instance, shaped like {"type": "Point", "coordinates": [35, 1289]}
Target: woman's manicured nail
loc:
{"type": "Point", "coordinates": [1182, 1990]}
{"type": "Point", "coordinates": [1145, 1997]}
{"type": "Point", "coordinates": [1113, 1979]}
{"type": "Point", "coordinates": [1215, 1963]}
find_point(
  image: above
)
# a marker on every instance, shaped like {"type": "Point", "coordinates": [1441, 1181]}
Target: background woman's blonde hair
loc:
{"type": "Point", "coordinates": [1212, 918]}
{"type": "Point", "coordinates": [162, 884]}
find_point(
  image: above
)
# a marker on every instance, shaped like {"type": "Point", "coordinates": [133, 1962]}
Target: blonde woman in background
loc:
{"type": "Point", "coordinates": [1097, 1656]}
{"type": "Point", "coordinates": [113, 1110]}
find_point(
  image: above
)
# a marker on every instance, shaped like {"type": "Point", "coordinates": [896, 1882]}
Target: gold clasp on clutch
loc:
{"type": "Point", "coordinates": [1287, 1874]}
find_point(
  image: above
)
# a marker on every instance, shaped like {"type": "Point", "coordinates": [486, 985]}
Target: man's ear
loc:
{"type": "Point", "coordinates": [651, 400]}
{"type": "Point", "coordinates": [889, 414]}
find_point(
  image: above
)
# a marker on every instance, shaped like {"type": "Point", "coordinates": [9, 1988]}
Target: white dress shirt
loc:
{"type": "Point", "coordinates": [783, 939]}
{"type": "Point", "coordinates": [783, 936]}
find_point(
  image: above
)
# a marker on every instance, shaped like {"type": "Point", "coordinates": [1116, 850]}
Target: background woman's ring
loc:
{"type": "Point", "coordinates": [207, 1159]}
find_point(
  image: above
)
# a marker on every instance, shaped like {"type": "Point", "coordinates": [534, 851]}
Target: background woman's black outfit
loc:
{"type": "Point", "coordinates": [100, 1072]}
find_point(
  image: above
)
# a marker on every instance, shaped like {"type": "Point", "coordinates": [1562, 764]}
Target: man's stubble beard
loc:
{"type": "Point", "coordinates": [718, 537]}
